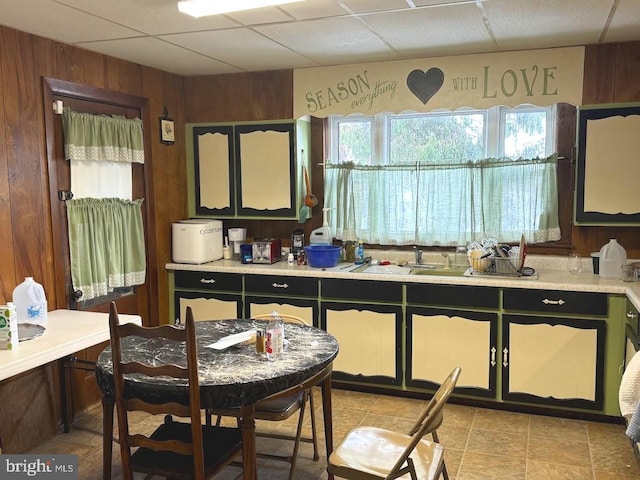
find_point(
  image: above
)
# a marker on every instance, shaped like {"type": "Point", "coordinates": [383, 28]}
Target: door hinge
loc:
{"type": "Point", "coordinates": [64, 195]}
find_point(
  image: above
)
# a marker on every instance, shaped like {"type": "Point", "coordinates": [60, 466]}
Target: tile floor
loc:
{"type": "Point", "coordinates": [480, 444]}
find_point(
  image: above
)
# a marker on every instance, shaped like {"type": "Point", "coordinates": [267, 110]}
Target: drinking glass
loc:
{"type": "Point", "coordinates": [574, 264]}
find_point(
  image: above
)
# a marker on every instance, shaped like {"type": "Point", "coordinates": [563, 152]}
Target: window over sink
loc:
{"type": "Point", "coordinates": [443, 178]}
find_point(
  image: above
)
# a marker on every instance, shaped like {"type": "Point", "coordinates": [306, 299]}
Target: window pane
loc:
{"type": "Point", "coordinates": [355, 142]}
{"type": "Point", "coordinates": [442, 138]}
{"type": "Point", "coordinates": [525, 134]}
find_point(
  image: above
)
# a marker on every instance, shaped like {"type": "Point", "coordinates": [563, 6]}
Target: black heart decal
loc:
{"type": "Point", "coordinates": [425, 85]}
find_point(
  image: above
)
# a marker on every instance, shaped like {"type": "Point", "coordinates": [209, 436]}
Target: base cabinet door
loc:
{"type": "Point", "coordinates": [553, 361]}
{"type": "Point", "coordinates": [438, 340]}
{"type": "Point", "coordinates": [208, 306]}
{"type": "Point", "coordinates": [370, 341]}
{"type": "Point", "coordinates": [307, 310]}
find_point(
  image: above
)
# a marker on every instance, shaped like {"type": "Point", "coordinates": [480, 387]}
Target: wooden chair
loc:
{"type": "Point", "coordinates": [369, 453]}
{"type": "Point", "coordinates": [175, 449]}
{"type": "Point", "coordinates": [282, 408]}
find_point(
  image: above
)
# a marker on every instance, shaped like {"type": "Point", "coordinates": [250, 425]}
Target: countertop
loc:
{"type": "Point", "coordinates": [551, 271]}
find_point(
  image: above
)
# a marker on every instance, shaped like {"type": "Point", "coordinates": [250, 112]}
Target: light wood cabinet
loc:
{"type": "Point", "coordinates": [248, 169]}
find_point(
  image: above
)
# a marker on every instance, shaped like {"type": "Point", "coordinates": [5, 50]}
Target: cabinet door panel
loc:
{"type": "Point", "coordinates": [440, 340]}
{"type": "Point", "coordinates": [307, 310]}
{"type": "Point", "coordinates": [369, 341]}
{"type": "Point", "coordinates": [553, 361]}
{"type": "Point", "coordinates": [265, 156]}
{"type": "Point", "coordinates": [213, 168]}
{"type": "Point", "coordinates": [208, 306]}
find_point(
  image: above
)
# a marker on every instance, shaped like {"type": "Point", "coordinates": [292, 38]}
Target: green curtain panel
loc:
{"type": "Point", "coordinates": [444, 203]}
{"type": "Point", "coordinates": [102, 138]}
{"type": "Point", "coordinates": [106, 245]}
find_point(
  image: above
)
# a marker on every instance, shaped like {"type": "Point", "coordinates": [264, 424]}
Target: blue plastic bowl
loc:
{"type": "Point", "coordinates": [322, 256]}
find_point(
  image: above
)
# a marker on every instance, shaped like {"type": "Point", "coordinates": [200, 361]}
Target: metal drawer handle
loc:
{"type": "Point", "coordinates": [505, 357]}
{"type": "Point", "coordinates": [546, 301]}
{"type": "Point", "coordinates": [204, 280]}
{"type": "Point", "coordinates": [280, 285]}
{"type": "Point", "coordinates": [631, 315]}
{"type": "Point", "coordinates": [493, 356]}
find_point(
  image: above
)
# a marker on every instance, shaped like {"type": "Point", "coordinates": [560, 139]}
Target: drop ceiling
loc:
{"type": "Point", "coordinates": [316, 33]}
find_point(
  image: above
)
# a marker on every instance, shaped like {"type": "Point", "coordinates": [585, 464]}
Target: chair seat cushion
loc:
{"type": "Point", "coordinates": [369, 453]}
{"type": "Point", "coordinates": [280, 406]}
{"type": "Point", "coordinates": [220, 445]}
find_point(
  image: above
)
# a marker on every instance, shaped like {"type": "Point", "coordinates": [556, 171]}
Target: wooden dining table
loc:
{"type": "Point", "coordinates": [234, 377]}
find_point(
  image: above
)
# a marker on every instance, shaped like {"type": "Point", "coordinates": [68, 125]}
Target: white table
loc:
{"type": "Point", "coordinates": [67, 332]}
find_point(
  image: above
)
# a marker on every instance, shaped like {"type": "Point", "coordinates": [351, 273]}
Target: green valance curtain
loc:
{"type": "Point", "coordinates": [106, 245]}
{"type": "Point", "coordinates": [406, 204]}
{"type": "Point", "coordinates": [102, 138]}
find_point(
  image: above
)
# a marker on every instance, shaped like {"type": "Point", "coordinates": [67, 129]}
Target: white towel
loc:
{"type": "Point", "coordinates": [629, 394]}
{"type": "Point", "coordinates": [633, 429]}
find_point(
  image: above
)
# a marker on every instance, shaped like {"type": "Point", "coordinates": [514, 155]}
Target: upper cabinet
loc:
{"type": "Point", "coordinates": [247, 169]}
{"type": "Point", "coordinates": [608, 165]}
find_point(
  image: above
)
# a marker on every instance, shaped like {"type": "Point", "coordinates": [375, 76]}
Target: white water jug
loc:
{"type": "Point", "coordinates": [31, 302]}
{"type": "Point", "coordinates": [612, 258]}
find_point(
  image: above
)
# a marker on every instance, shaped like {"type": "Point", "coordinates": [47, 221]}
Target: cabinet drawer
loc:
{"type": "Point", "coordinates": [362, 290]}
{"type": "Point", "coordinates": [283, 285]}
{"type": "Point", "coordinates": [453, 296]}
{"type": "Point", "coordinates": [208, 281]}
{"type": "Point", "coordinates": [581, 303]}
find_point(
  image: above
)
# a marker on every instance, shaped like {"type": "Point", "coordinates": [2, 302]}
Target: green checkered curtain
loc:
{"type": "Point", "coordinates": [102, 138]}
{"type": "Point", "coordinates": [106, 245]}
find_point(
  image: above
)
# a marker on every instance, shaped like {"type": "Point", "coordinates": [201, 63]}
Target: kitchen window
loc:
{"type": "Point", "coordinates": [443, 178]}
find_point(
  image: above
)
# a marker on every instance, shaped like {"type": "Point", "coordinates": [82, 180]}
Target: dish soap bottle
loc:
{"type": "Point", "coordinates": [274, 341]}
{"type": "Point", "coordinates": [359, 253]}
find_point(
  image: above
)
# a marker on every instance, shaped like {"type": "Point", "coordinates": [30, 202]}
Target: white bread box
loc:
{"type": "Point", "coordinates": [197, 241]}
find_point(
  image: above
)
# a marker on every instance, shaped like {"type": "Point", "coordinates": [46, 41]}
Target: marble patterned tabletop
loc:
{"type": "Point", "coordinates": [228, 378]}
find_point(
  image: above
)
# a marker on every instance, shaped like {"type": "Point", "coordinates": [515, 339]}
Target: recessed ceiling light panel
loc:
{"type": "Point", "coordinates": [203, 8]}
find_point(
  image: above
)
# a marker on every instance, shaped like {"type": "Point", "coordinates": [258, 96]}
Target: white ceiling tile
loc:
{"type": "Point", "coordinates": [365, 6]}
{"type": "Point", "coordinates": [522, 25]}
{"type": "Point", "coordinates": [162, 55]}
{"type": "Point", "coordinates": [259, 16]}
{"type": "Point", "coordinates": [154, 17]}
{"type": "Point", "coordinates": [433, 31]}
{"type": "Point", "coordinates": [624, 25]}
{"type": "Point", "coordinates": [59, 22]}
{"type": "Point", "coordinates": [331, 41]}
{"type": "Point", "coordinates": [243, 48]}
{"type": "Point", "coordinates": [313, 9]}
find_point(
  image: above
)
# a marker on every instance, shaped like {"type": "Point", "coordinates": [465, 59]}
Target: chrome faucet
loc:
{"type": "Point", "coordinates": [418, 253]}
{"type": "Point", "coordinates": [447, 261]}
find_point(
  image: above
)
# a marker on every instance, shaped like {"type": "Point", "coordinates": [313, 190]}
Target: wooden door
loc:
{"type": "Point", "coordinates": [94, 101]}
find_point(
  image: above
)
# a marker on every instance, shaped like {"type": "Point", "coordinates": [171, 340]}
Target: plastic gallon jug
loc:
{"type": "Point", "coordinates": [30, 302]}
{"type": "Point", "coordinates": [612, 258]}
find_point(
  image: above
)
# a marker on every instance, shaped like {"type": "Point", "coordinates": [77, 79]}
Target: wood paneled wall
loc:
{"type": "Point", "coordinates": [29, 408]}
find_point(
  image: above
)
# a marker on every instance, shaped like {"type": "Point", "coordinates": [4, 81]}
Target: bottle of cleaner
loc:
{"type": "Point", "coordinates": [613, 257]}
{"type": "Point", "coordinates": [322, 235]}
{"type": "Point", "coordinates": [31, 302]}
{"type": "Point", "coordinates": [274, 341]}
{"type": "Point", "coordinates": [359, 253]}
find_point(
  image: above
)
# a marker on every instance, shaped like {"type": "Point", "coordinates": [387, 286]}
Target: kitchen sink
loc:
{"type": "Point", "coordinates": [435, 270]}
